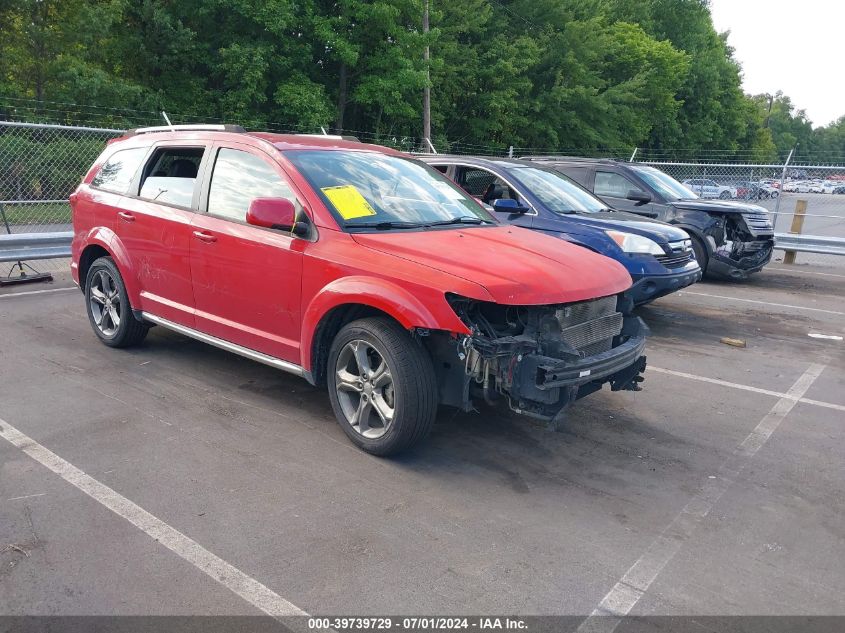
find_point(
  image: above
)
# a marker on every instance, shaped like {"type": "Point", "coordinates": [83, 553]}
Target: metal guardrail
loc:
{"type": "Point", "coordinates": [28, 246]}
{"type": "Point", "coordinates": [810, 243]}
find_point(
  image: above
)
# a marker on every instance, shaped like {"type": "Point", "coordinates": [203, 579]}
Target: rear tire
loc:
{"type": "Point", "coordinates": [725, 195]}
{"type": "Point", "coordinates": [381, 385]}
{"type": "Point", "coordinates": [108, 307]}
{"type": "Point", "coordinates": [700, 253]}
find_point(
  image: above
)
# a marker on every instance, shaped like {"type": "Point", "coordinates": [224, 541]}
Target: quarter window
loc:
{"type": "Point", "coordinates": [119, 170]}
{"type": "Point", "coordinates": [170, 176]}
{"type": "Point", "coordinates": [612, 185]}
{"type": "Point", "coordinates": [238, 178]}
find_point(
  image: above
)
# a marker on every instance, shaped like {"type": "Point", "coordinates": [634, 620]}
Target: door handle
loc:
{"type": "Point", "coordinates": [126, 216]}
{"type": "Point", "coordinates": [203, 236]}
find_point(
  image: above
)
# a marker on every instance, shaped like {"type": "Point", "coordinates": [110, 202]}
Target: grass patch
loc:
{"type": "Point", "coordinates": [37, 213]}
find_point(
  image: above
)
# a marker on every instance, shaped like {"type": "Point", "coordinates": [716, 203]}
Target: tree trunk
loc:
{"type": "Point", "coordinates": [341, 99]}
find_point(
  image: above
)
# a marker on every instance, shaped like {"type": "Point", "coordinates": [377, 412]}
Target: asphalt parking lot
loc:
{"type": "Point", "coordinates": [717, 490]}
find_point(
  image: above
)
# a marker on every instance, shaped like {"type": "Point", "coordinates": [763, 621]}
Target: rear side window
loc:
{"type": "Point", "coordinates": [240, 177]}
{"type": "Point", "coordinates": [170, 176]}
{"type": "Point", "coordinates": [612, 185]}
{"type": "Point", "coordinates": [118, 171]}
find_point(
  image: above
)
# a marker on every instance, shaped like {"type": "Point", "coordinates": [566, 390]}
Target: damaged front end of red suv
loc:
{"type": "Point", "coordinates": [540, 358]}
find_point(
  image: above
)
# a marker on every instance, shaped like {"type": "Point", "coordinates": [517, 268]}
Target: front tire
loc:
{"type": "Point", "coordinates": [108, 307]}
{"type": "Point", "coordinates": [382, 386]}
{"type": "Point", "coordinates": [725, 195]}
{"type": "Point", "coordinates": [700, 253]}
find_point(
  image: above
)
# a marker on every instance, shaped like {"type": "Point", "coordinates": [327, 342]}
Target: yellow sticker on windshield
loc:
{"type": "Point", "coordinates": [349, 202]}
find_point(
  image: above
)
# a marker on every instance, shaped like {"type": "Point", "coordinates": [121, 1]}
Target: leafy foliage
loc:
{"type": "Point", "coordinates": [587, 75]}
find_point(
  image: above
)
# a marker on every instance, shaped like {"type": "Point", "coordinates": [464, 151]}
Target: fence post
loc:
{"type": "Point", "coordinates": [780, 191]}
{"type": "Point", "coordinates": [796, 228]}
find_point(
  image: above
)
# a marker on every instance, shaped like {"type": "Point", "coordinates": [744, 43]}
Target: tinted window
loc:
{"type": "Point", "coordinates": [240, 177]}
{"type": "Point", "coordinates": [612, 185]}
{"type": "Point", "coordinates": [117, 172]}
{"type": "Point", "coordinates": [170, 176]}
{"type": "Point", "coordinates": [578, 174]}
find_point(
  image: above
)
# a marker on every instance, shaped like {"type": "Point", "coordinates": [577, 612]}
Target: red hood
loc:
{"type": "Point", "coordinates": [516, 266]}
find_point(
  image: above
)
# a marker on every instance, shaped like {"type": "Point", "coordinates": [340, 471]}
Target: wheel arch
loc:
{"type": "Point", "coordinates": [104, 243]}
{"type": "Point", "coordinates": [348, 299]}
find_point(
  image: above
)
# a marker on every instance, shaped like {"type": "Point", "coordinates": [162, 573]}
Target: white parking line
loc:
{"type": "Point", "coordinates": [635, 582]}
{"type": "Point", "coordinates": [735, 385]}
{"type": "Point", "coordinates": [213, 566]}
{"type": "Point", "coordinates": [681, 293]}
{"type": "Point", "coordinates": [36, 292]}
{"type": "Point", "coordinates": [803, 272]}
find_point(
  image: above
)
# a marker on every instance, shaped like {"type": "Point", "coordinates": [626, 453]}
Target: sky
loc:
{"type": "Point", "coordinates": [795, 47]}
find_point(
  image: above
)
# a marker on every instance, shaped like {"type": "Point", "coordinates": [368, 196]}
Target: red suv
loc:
{"type": "Point", "coordinates": [351, 265]}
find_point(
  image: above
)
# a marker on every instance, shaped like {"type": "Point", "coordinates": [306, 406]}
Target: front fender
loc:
{"type": "Point", "coordinates": [108, 239]}
{"type": "Point", "coordinates": [387, 296]}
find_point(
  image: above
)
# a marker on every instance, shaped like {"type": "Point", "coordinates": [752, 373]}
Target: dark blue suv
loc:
{"type": "Point", "coordinates": [658, 256]}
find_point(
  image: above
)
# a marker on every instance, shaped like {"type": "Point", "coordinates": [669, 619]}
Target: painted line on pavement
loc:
{"type": "Point", "coordinates": [682, 293]}
{"type": "Point", "coordinates": [36, 292]}
{"type": "Point", "coordinates": [735, 385]}
{"type": "Point", "coordinates": [635, 582]}
{"type": "Point", "coordinates": [210, 564]}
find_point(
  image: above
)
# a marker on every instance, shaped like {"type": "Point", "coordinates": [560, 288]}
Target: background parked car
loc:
{"type": "Point", "coordinates": [707, 188]}
{"type": "Point", "coordinates": [731, 239]}
{"type": "Point", "coordinates": [658, 256]}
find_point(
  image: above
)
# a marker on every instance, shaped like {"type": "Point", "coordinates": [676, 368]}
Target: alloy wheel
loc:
{"type": "Point", "coordinates": [104, 302]}
{"type": "Point", "coordinates": [365, 389]}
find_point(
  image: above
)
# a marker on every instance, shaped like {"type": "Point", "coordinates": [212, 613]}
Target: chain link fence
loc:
{"type": "Point", "coordinates": [40, 166]}
{"type": "Point", "coordinates": [808, 199]}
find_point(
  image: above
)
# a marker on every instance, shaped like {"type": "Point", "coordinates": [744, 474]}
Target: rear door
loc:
{"type": "Point", "coordinates": [154, 225]}
{"type": "Point", "coordinates": [246, 279]}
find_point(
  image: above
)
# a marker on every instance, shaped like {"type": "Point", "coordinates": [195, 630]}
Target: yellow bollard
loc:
{"type": "Point", "coordinates": [796, 228]}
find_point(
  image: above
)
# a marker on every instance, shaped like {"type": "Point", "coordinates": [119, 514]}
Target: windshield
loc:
{"type": "Point", "coordinates": [665, 185]}
{"type": "Point", "coordinates": [378, 191]}
{"type": "Point", "coordinates": [557, 192]}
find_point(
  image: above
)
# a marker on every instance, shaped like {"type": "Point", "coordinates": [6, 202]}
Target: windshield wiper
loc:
{"type": "Point", "coordinates": [386, 225]}
{"type": "Point", "coordinates": [463, 219]}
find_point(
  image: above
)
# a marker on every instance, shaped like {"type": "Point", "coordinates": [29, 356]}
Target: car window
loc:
{"type": "Point", "coordinates": [118, 171]}
{"type": "Point", "coordinates": [170, 175]}
{"type": "Point", "coordinates": [664, 184]}
{"type": "Point", "coordinates": [578, 174]}
{"type": "Point", "coordinates": [557, 192]}
{"type": "Point", "coordinates": [238, 178]}
{"type": "Point", "coordinates": [484, 185]}
{"type": "Point", "coordinates": [612, 185]}
{"type": "Point", "coordinates": [364, 189]}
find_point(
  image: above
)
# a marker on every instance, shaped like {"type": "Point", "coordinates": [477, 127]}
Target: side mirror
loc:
{"type": "Point", "coordinates": [639, 196]}
{"type": "Point", "coordinates": [275, 213]}
{"type": "Point", "coordinates": [507, 205]}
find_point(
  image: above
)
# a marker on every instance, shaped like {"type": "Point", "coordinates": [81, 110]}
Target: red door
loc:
{"type": "Point", "coordinates": [155, 227]}
{"type": "Point", "coordinates": [246, 280]}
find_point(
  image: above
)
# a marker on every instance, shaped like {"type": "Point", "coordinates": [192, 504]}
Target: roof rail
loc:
{"type": "Point", "coordinates": [195, 127]}
{"type": "Point", "coordinates": [551, 157]}
{"type": "Point", "coordinates": [336, 137]}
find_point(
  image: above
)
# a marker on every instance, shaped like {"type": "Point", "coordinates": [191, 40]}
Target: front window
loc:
{"type": "Point", "coordinates": [240, 177]}
{"type": "Point", "coordinates": [558, 193]}
{"type": "Point", "coordinates": [664, 184]}
{"type": "Point", "coordinates": [369, 190]}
